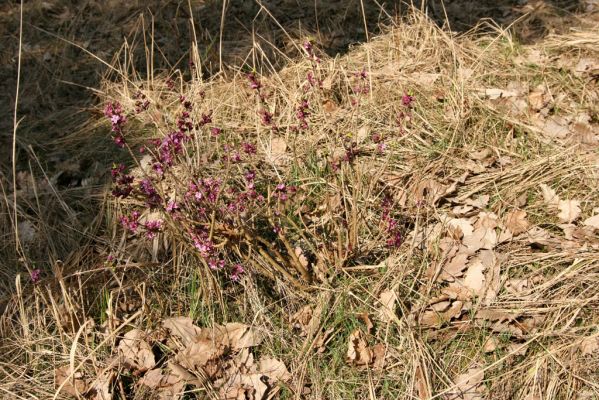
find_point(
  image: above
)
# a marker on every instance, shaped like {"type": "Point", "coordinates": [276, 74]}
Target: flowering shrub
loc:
{"type": "Point", "coordinates": [214, 184]}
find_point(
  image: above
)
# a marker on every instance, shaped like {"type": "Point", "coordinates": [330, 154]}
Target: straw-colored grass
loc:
{"type": "Point", "coordinates": [471, 143]}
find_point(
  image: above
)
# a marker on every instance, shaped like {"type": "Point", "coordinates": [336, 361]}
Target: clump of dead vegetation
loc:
{"type": "Point", "coordinates": [415, 219]}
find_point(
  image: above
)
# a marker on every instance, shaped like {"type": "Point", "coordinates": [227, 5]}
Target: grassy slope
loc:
{"type": "Point", "coordinates": [455, 136]}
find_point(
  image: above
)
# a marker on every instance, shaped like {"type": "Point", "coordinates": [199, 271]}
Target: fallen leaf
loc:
{"type": "Point", "coordinates": [549, 196]}
{"type": "Point", "coordinates": [517, 286]}
{"type": "Point", "coordinates": [421, 384]}
{"type": "Point", "coordinates": [387, 309]}
{"type": "Point", "coordinates": [490, 344]}
{"type": "Point", "coordinates": [475, 277]}
{"type": "Point", "coordinates": [469, 384]}
{"type": "Point", "coordinates": [362, 134]}
{"type": "Point", "coordinates": [366, 319]}
{"type": "Point", "coordinates": [569, 210]}
{"type": "Point", "coordinates": [301, 320]}
{"type": "Point", "coordinates": [274, 369]}
{"type": "Point", "coordinates": [432, 318]}
{"type": "Point", "coordinates": [518, 349]}
{"type": "Point", "coordinates": [556, 128]}
{"type": "Point", "coordinates": [99, 389]}
{"type": "Point", "coordinates": [137, 353]}
{"type": "Point", "coordinates": [490, 262]}
{"type": "Point", "coordinates": [481, 238]}
{"type": "Point", "coordinates": [299, 252]}
{"type": "Point", "coordinates": [322, 339]}
{"type": "Point", "coordinates": [75, 385]}
{"type": "Point", "coordinates": [378, 355]}
{"type": "Point", "coordinates": [183, 328]}
{"type": "Point", "coordinates": [243, 386]}
{"type": "Point", "coordinates": [166, 385]}
{"type": "Point", "coordinates": [593, 222]}
{"type": "Point", "coordinates": [241, 336]}
{"type": "Point", "coordinates": [516, 222]}
{"type": "Point", "coordinates": [358, 352]}
{"type": "Point", "coordinates": [455, 267]}
{"type": "Point", "coordinates": [460, 227]}
{"type": "Point", "coordinates": [589, 345]}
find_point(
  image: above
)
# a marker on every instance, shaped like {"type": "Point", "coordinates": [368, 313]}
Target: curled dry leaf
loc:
{"type": "Point", "coordinates": [366, 320]}
{"type": "Point", "coordinates": [475, 277]}
{"type": "Point", "coordinates": [358, 352]}
{"type": "Point", "coordinates": [589, 345]}
{"type": "Point", "coordinates": [387, 309]}
{"type": "Point", "coordinates": [569, 210]}
{"type": "Point", "coordinates": [516, 222]}
{"type": "Point", "coordinates": [136, 352]}
{"type": "Point", "coordinates": [432, 318]}
{"type": "Point", "coordinates": [165, 384]}
{"type": "Point", "coordinates": [74, 385]}
{"type": "Point", "coordinates": [592, 222]}
{"type": "Point", "coordinates": [549, 196]}
{"type": "Point", "coordinates": [490, 344]}
{"type": "Point", "coordinates": [301, 319]}
{"type": "Point", "coordinates": [241, 336]}
{"type": "Point", "coordinates": [322, 339]}
{"type": "Point", "coordinates": [378, 355]}
{"type": "Point", "coordinates": [469, 385]}
{"type": "Point", "coordinates": [99, 389]}
{"type": "Point", "coordinates": [274, 369]}
{"type": "Point", "coordinates": [183, 328]}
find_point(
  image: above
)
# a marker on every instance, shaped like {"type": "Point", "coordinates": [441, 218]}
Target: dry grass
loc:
{"type": "Point", "coordinates": [455, 144]}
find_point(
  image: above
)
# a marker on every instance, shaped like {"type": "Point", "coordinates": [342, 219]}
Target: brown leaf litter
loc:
{"type": "Point", "coordinates": [218, 356]}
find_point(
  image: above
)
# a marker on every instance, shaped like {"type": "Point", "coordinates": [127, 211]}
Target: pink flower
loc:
{"type": "Point", "coordinates": [153, 228]}
{"type": "Point", "coordinates": [215, 264]}
{"type": "Point", "coordinates": [237, 271]}
{"type": "Point", "coordinates": [36, 275]}
{"type": "Point", "coordinates": [407, 100]}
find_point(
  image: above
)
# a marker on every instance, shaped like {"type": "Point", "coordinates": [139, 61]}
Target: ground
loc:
{"type": "Point", "coordinates": [336, 201]}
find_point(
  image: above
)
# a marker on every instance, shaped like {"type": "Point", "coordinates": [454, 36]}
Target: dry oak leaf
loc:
{"type": "Point", "coordinates": [99, 389]}
{"type": "Point", "coordinates": [490, 344]}
{"type": "Point", "coordinates": [358, 352]}
{"type": "Point", "coordinates": [460, 227]}
{"type": "Point", "coordinates": [492, 275]}
{"type": "Point", "coordinates": [183, 328]}
{"type": "Point", "coordinates": [589, 345]}
{"type": "Point", "coordinates": [74, 385]}
{"type": "Point", "coordinates": [241, 336]}
{"type": "Point", "coordinates": [387, 309]}
{"type": "Point", "coordinates": [432, 318]}
{"type": "Point", "coordinates": [166, 385]}
{"type": "Point", "coordinates": [244, 387]}
{"type": "Point", "coordinates": [592, 222]}
{"type": "Point", "coordinates": [378, 355]}
{"type": "Point", "coordinates": [301, 319]}
{"type": "Point", "coordinates": [455, 267]}
{"type": "Point", "coordinates": [475, 277]}
{"type": "Point", "coordinates": [274, 369]}
{"type": "Point", "coordinates": [569, 210]}
{"type": "Point", "coordinates": [469, 384]}
{"type": "Point", "coordinates": [481, 238]}
{"type": "Point", "coordinates": [322, 339]}
{"type": "Point", "coordinates": [549, 196]}
{"type": "Point", "coordinates": [137, 353]}
{"type": "Point", "coordinates": [516, 222]}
